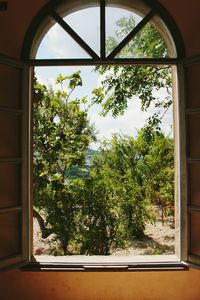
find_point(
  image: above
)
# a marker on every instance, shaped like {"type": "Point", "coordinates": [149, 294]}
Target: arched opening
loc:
{"type": "Point", "coordinates": [44, 21]}
{"type": "Point", "coordinates": [117, 57]}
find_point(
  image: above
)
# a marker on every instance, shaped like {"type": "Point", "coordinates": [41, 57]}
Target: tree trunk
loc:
{"type": "Point", "coordinates": [44, 230]}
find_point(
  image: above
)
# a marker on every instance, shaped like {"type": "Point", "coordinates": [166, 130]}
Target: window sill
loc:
{"type": "Point", "coordinates": [105, 263]}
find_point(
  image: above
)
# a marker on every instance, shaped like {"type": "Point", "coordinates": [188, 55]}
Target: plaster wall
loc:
{"type": "Point", "coordinates": [183, 285]}
{"type": "Point", "coordinates": [15, 21]}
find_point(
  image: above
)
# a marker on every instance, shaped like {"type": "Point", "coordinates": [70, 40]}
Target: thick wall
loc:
{"type": "Point", "coordinates": [183, 285]}
{"type": "Point", "coordinates": [174, 285]}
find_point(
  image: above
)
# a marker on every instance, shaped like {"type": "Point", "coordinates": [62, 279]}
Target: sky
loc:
{"type": "Point", "coordinates": [58, 44]}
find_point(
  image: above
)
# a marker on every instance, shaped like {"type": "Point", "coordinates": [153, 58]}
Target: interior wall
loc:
{"type": "Point", "coordinates": [186, 16]}
{"type": "Point", "coordinates": [89, 285]}
{"type": "Point", "coordinates": [175, 285]}
{"type": "Point", "coordinates": [15, 21]}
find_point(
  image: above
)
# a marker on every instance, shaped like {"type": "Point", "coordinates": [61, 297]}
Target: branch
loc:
{"type": "Point", "coordinates": [44, 230]}
{"type": "Point", "coordinates": [67, 99]}
{"type": "Point", "coordinates": [164, 113]}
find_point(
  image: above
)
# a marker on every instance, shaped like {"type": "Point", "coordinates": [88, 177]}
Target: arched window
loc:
{"type": "Point", "coordinates": [146, 37]}
{"type": "Point", "coordinates": [124, 42]}
{"type": "Point", "coordinates": [100, 25]}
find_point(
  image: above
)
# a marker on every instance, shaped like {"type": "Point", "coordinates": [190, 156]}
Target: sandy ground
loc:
{"type": "Point", "coordinates": [158, 239]}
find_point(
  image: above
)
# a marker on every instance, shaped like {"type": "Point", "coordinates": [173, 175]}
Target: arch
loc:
{"type": "Point", "coordinates": [164, 25]}
{"type": "Point", "coordinates": [43, 22]}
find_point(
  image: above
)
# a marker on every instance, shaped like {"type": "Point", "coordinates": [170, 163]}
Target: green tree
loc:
{"type": "Point", "coordinates": [61, 136]}
{"type": "Point", "coordinates": [122, 83]}
{"type": "Point", "coordinates": [152, 86]}
{"type": "Point", "coordinates": [113, 198]}
{"type": "Point", "coordinates": [127, 177]}
{"type": "Point", "coordinates": [102, 220]}
{"type": "Point", "coordinates": [157, 166]}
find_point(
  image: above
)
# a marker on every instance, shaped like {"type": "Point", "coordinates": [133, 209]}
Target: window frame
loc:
{"type": "Point", "coordinates": [33, 37]}
{"type": "Point", "coordinates": [102, 60]}
{"type": "Point", "coordinates": [172, 262]}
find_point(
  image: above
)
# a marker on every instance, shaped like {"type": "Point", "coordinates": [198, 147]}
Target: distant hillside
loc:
{"type": "Point", "coordinates": [89, 155]}
{"type": "Point", "coordinates": [77, 172]}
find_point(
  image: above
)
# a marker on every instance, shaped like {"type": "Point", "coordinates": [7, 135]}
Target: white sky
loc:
{"type": "Point", "coordinates": [57, 44]}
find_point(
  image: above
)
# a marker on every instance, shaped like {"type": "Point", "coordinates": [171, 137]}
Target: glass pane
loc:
{"type": "Point", "coordinates": [10, 97]}
{"type": "Point", "coordinates": [119, 23]}
{"type": "Point", "coordinates": [57, 43]}
{"type": "Point", "coordinates": [10, 234]}
{"type": "Point", "coordinates": [10, 135]}
{"type": "Point", "coordinates": [86, 23]}
{"type": "Point", "coordinates": [194, 233]}
{"type": "Point", "coordinates": [10, 184]}
{"type": "Point", "coordinates": [148, 43]}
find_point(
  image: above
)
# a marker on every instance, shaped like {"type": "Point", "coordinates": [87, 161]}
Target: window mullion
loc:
{"type": "Point", "coordinates": [74, 35]}
{"type": "Point", "coordinates": [102, 28]}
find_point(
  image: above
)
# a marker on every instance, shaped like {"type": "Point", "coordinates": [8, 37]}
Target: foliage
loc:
{"type": "Point", "coordinates": [122, 83]}
{"type": "Point", "coordinates": [98, 207]}
{"type": "Point", "coordinates": [102, 205]}
{"type": "Point", "coordinates": [147, 43]}
{"type": "Point", "coordinates": [61, 137]}
{"type": "Point", "coordinates": [125, 176]}
{"type": "Point", "coordinates": [157, 167]}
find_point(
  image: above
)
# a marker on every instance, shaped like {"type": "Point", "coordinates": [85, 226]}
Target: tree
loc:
{"type": "Point", "coordinates": [129, 82]}
{"type": "Point", "coordinates": [127, 177]}
{"type": "Point", "coordinates": [102, 227]}
{"type": "Point", "coordinates": [61, 136]}
{"type": "Point", "coordinates": [156, 165]}
{"type": "Point", "coordinates": [112, 199]}
{"type": "Point", "coordinates": [120, 155]}
{"type": "Point", "coordinates": [152, 85]}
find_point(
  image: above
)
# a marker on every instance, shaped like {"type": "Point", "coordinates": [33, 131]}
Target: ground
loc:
{"type": "Point", "coordinates": [158, 239]}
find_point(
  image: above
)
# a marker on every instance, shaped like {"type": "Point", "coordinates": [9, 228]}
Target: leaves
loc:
{"type": "Point", "coordinates": [101, 206]}
{"type": "Point", "coordinates": [151, 84]}
{"type": "Point", "coordinates": [119, 196]}
{"type": "Point", "coordinates": [61, 136]}
{"type": "Point", "coordinates": [74, 80]}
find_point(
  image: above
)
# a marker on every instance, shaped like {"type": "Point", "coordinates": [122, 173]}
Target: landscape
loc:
{"type": "Point", "coordinates": [106, 191]}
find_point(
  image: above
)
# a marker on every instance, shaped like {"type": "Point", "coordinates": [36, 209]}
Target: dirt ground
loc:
{"type": "Point", "coordinates": [158, 239]}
